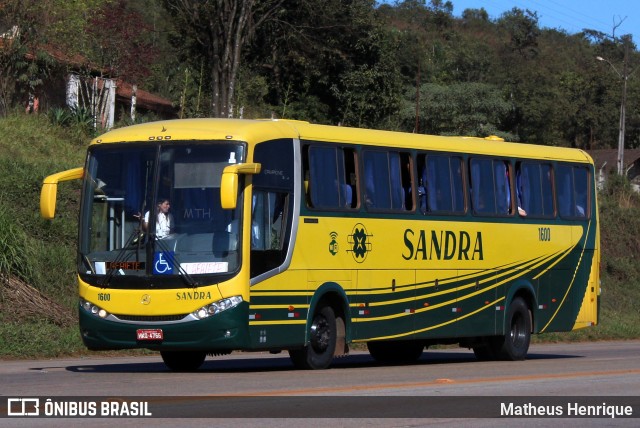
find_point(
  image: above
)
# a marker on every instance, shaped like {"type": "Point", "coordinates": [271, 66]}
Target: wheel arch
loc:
{"type": "Point", "coordinates": [526, 291]}
{"type": "Point", "coordinates": [332, 294]}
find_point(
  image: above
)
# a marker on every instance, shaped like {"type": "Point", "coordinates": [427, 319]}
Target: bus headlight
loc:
{"type": "Point", "coordinates": [93, 309]}
{"type": "Point", "coordinates": [217, 307]}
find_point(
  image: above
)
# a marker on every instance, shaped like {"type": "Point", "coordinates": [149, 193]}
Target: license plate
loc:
{"type": "Point", "coordinates": [149, 334]}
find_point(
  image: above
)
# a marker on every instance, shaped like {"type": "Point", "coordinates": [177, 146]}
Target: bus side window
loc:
{"type": "Point", "coordinates": [385, 182]}
{"type": "Point", "coordinates": [490, 186]}
{"type": "Point", "coordinates": [503, 187]}
{"type": "Point", "coordinates": [483, 198]}
{"type": "Point", "coordinates": [565, 190]}
{"type": "Point", "coordinates": [349, 187]}
{"type": "Point", "coordinates": [422, 184]}
{"type": "Point", "coordinates": [396, 184]}
{"type": "Point", "coordinates": [534, 189]}
{"type": "Point", "coordinates": [441, 183]}
{"type": "Point", "coordinates": [324, 165]}
{"type": "Point", "coordinates": [438, 179]}
{"type": "Point", "coordinates": [457, 186]}
{"type": "Point", "coordinates": [369, 183]}
{"type": "Point", "coordinates": [581, 186]}
{"type": "Point", "coordinates": [573, 188]}
{"type": "Point", "coordinates": [407, 174]}
{"type": "Point", "coordinates": [434, 186]}
{"type": "Point", "coordinates": [523, 191]}
{"type": "Point", "coordinates": [546, 185]}
{"type": "Point", "coordinates": [329, 173]}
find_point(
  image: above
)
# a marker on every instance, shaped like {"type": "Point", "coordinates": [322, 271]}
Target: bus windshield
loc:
{"type": "Point", "coordinates": [153, 209]}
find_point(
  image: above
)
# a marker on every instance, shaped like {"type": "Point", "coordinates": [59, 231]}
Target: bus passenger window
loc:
{"type": "Point", "coordinates": [490, 187]}
{"type": "Point", "coordinates": [565, 191]}
{"type": "Point", "coordinates": [330, 177]}
{"type": "Point", "coordinates": [457, 188]}
{"type": "Point", "coordinates": [385, 182]}
{"type": "Point", "coordinates": [442, 181]}
{"type": "Point", "coordinates": [397, 192]}
{"type": "Point", "coordinates": [533, 189]}
{"type": "Point", "coordinates": [503, 187]}
{"type": "Point", "coordinates": [573, 187]}
{"type": "Point", "coordinates": [407, 180]}
{"type": "Point", "coordinates": [581, 186]}
{"type": "Point", "coordinates": [546, 187]}
{"type": "Point", "coordinates": [483, 197]}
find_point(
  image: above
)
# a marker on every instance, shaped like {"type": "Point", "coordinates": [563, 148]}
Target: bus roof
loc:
{"type": "Point", "coordinates": [255, 131]}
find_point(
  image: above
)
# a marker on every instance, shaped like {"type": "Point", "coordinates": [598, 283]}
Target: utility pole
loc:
{"type": "Point", "coordinates": [624, 76]}
{"type": "Point", "coordinates": [623, 108]}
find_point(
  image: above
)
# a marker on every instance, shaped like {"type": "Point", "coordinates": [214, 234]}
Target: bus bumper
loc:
{"type": "Point", "coordinates": [225, 331]}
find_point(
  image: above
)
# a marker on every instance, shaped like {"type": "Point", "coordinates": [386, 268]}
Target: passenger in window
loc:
{"type": "Point", "coordinates": [347, 195]}
{"type": "Point", "coordinates": [422, 194]}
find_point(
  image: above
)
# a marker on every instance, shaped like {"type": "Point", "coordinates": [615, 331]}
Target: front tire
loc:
{"type": "Point", "coordinates": [183, 361]}
{"type": "Point", "coordinates": [318, 353]}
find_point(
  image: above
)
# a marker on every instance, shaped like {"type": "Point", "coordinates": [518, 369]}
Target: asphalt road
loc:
{"type": "Point", "coordinates": [445, 387]}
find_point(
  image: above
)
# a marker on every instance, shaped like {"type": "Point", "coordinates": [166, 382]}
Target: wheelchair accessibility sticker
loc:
{"type": "Point", "coordinates": [162, 263]}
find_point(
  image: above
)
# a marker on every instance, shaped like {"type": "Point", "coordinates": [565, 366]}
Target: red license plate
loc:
{"type": "Point", "coordinates": [149, 334]}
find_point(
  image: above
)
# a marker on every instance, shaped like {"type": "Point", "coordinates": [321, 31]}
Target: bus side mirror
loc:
{"type": "Point", "coordinates": [50, 190]}
{"type": "Point", "coordinates": [229, 182]}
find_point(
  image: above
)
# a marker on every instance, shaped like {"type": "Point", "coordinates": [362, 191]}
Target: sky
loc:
{"type": "Point", "coordinates": [569, 15]}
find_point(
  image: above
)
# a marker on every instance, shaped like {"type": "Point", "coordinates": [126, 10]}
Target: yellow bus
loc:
{"type": "Point", "coordinates": [204, 236]}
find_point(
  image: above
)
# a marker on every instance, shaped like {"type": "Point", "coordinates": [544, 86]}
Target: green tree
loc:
{"type": "Point", "coordinates": [329, 62]}
{"type": "Point", "coordinates": [473, 109]}
{"type": "Point", "coordinates": [118, 35]}
{"type": "Point", "coordinates": [217, 31]}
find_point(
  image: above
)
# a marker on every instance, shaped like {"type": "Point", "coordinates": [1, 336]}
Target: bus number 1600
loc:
{"type": "Point", "coordinates": [544, 233]}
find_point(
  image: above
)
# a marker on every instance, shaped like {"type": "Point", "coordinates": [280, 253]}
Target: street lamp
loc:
{"type": "Point", "coordinates": [623, 103]}
{"type": "Point", "coordinates": [624, 76]}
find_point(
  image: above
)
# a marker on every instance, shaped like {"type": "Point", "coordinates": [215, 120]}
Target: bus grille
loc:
{"type": "Point", "coordinates": [155, 318]}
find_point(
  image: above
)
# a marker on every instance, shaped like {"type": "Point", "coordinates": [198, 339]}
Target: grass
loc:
{"type": "Point", "coordinates": [42, 253]}
{"type": "Point", "coordinates": [39, 252]}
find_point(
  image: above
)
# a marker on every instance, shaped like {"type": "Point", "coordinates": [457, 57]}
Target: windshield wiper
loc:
{"type": "Point", "coordinates": [87, 262]}
{"type": "Point", "coordinates": [134, 237]}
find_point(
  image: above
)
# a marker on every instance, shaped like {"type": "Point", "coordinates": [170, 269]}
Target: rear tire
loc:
{"type": "Point", "coordinates": [318, 353]}
{"type": "Point", "coordinates": [183, 361]}
{"type": "Point", "coordinates": [514, 345]}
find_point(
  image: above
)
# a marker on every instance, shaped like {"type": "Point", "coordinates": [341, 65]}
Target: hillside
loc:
{"type": "Point", "coordinates": [37, 280]}
{"type": "Point", "coordinates": [37, 273]}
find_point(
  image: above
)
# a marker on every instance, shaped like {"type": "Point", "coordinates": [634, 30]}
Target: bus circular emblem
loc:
{"type": "Point", "coordinates": [359, 243]}
{"type": "Point", "coordinates": [146, 299]}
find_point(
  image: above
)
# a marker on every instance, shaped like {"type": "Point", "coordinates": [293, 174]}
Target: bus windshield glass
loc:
{"type": "Point", "coordinates": [153, 209]}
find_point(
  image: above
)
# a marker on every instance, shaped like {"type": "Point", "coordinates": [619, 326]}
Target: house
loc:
{"type": "Point", "coordinates": [111, 99]}
{"type": "Point", "coordinates": [74, 82]}
{"type": "Point", "coordinates": [606, 163]}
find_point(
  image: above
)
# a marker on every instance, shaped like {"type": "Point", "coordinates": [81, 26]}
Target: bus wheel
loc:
{"type": "Point", "coordinates": [396, 351]}
{"type": "Point", "coordinates": [514, 345]}
{"type": "Point", "coordinates": [183, 361]}
{"type": "Point", "coordinates": [318, 353]}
